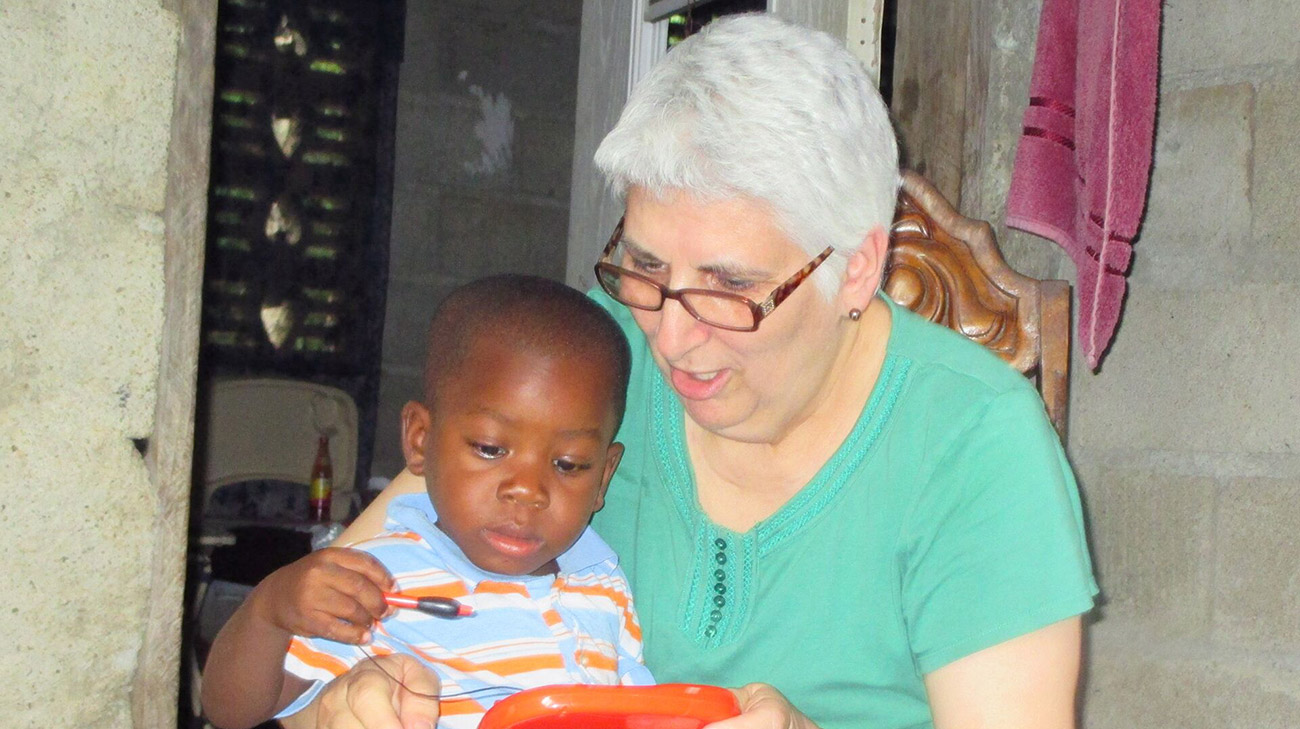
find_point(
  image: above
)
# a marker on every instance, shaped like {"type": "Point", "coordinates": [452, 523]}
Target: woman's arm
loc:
{"type": "Point", "coordinates": [1028, 682]}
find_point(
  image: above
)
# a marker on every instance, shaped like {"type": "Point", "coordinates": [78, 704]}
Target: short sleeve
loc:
{"type": "Point", "coordinates": [994, 545]}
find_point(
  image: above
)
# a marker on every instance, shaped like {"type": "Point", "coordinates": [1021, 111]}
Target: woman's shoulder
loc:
{"type": "Point", "coordinates": [944, 356]}
{"type": "Point", "coordinates": [952, 384]}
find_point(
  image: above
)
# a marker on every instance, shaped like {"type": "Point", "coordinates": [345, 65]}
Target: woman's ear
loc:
{"type": "Point", "coordinates": [864, 274]}
{"type": "Point", "coordinates": [417, 426]}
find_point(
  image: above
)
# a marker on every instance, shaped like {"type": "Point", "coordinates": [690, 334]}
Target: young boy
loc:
{"type": "Point", "coordinates": [525, 385]}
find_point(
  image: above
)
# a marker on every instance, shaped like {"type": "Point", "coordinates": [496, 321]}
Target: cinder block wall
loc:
{"type": "Point", "coordinates": [484, 149]}
{"type": "Point", "coordinates": [1187, 442]}
{"type": "Point", "coordinates": [85, 112]}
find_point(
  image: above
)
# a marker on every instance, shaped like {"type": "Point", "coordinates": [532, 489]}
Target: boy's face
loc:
{"type": "Point", "coordinates": [517, 456]}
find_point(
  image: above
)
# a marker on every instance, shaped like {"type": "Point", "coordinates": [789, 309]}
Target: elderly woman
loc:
{"type": "Point", "coordinates": [864, 516]}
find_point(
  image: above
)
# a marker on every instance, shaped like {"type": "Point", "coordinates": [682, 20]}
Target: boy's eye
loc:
{"type": "Point", "coordinates": [487, 450]}
{"type": "Point", "coordinates": [567, 466]}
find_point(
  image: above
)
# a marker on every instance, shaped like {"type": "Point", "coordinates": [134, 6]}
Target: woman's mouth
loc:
{"type": "Point", "coordinates": [698, 385]}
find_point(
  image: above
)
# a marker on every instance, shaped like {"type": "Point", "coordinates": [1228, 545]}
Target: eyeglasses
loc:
{"type": "Point", "coordinates": [721, 309]}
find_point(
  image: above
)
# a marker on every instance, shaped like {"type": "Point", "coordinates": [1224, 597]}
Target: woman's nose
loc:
{"type": "Point", "coordinates": [677, 332]}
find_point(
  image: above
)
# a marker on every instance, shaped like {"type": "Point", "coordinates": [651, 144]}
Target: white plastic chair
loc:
{"type": "Point", "coordinates": [267, 429]}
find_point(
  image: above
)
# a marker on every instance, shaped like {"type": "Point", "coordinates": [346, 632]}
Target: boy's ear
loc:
{"type": "Point", "coordinates": [417, 426]}
{"type": "Point", "coordinates": [612, 457]}
{"type": "Point", "coordinates": [865, 270]}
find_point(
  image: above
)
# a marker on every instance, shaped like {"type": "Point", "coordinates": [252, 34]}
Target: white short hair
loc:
{"type": "Point", "coordinates": [756, 107]}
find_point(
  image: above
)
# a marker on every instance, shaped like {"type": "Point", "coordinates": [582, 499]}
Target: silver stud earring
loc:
{"type": "Point", "coordinates": [855, 314]}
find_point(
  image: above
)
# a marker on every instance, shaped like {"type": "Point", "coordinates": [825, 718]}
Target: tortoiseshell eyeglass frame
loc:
{"type": "Point", "coordinates": [759, 310]}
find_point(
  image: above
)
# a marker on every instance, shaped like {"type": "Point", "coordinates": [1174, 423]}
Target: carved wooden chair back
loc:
{"type": "Point", "coordinates": [948, 268]}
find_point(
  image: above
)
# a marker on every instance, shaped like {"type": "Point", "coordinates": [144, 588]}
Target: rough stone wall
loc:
{"type": "Point", "coordinates": [484, 147]}
{"type": "Point", "coordinates": [85, 108]}
{"type": "Point", "coordinates": [1187, 441]}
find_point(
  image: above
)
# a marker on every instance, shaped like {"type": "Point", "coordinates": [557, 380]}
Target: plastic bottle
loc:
{"type": "Point", "coordinates": [322, 483]}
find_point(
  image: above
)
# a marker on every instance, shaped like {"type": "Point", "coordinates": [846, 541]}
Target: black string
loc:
{"type": "Point", "coordinates": [457, 696]}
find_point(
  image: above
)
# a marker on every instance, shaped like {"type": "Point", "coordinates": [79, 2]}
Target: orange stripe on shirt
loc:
{"type": "Point", "coordinates": [632, 627]}
{"type": "Point", "coordinates": [464, 665]}
{"type": "Point", "coordinates": [598, 660]}
{"type": "Point", "coordinates": [619, 597]}
{"type": "Point", "coordinates": [500, 588]}
{"type": "Point", "coordinates": [524, 664]}
{"type": "Point", "coordinates": [316, 659]}
{"type": "Point", "coordinates": [502, 667]}
{"type": "Point", "coordinates": [446, 589]}
{"type": "Point", "coordinates": [411, 536]}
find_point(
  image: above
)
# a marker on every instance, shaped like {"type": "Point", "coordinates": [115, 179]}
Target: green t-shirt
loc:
{"type": "Point", "coordinates": [948, 521]}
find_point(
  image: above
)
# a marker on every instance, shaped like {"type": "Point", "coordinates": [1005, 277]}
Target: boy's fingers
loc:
{"type": "Point", "coordinates": [367, 594]}
{"type": "Point", "coordinates": [342, 610]}
{"type": "Point", "coordinates": [341, 632]}
{"type": "Point", "coordinates": [373, 601]}
{"type": "Point", "coordinates": [366, 564]}
{"type": "Point", "coordinates": [361, 589]}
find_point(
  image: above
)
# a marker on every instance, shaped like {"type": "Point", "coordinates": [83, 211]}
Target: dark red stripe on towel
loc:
{"type": "Point", "coordinates": [1100, 222]}
{"type": "Point", "coordinates": [1050, 136]}
{"type": "Point", "coordinates": [1053, 104]}
{"type": "Point", "coordinates": [1096, 256]}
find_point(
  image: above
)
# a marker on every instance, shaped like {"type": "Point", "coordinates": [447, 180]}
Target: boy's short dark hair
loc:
{"type": "Point", "coordinates": [533, 314]}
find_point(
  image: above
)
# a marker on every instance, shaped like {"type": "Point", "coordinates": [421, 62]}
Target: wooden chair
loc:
{"type": "Point", "coordinates": [948, 268]}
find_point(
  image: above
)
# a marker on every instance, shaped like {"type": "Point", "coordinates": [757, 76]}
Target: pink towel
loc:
{"type": "Point", "coordinates": [1080, 176]}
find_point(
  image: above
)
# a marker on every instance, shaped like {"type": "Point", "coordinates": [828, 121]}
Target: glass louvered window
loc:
{"type": "Point", "coordinates": [688, 21]}
{"type": "Point", "coordinates": [297, 221]}
{"type": "Point", "coordinates": [300, 195]}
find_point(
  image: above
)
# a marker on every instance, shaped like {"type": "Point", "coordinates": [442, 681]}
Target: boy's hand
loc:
{"type": "Point", "coordinates": [334, 593]}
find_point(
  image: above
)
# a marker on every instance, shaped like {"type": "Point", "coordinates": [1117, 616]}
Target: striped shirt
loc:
{"type": "Point", "coordinates": [577, 626]}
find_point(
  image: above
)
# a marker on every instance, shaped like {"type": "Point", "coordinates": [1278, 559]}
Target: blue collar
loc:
{"type": "Point", "coordinates": [414, 513]}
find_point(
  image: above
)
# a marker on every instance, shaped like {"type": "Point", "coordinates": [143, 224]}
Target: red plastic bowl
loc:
{"type": "Point", "coordinates": [666, 706]}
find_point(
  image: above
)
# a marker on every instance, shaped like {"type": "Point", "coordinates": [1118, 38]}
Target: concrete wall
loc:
{"type": "Point", "coordinates": [1187, 441]}
{"type": "Point", "coordinates": [86, 113]}
{"type": "Point", "coordinates": [484, 146]}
